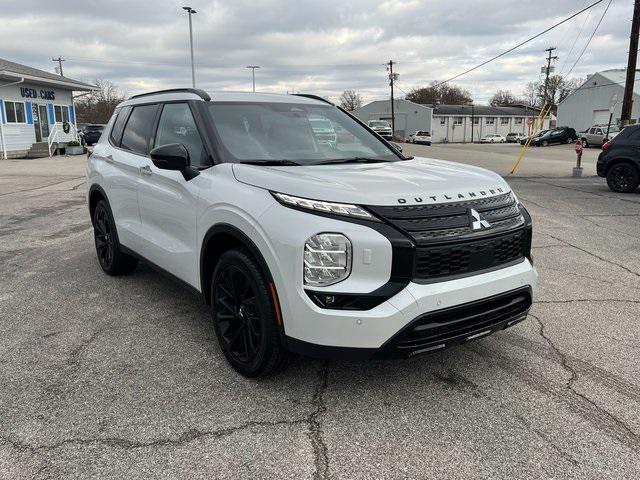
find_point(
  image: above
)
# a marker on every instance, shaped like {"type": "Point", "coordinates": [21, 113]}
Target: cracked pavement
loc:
{"type": "Point", "coordinates": [122, 377]}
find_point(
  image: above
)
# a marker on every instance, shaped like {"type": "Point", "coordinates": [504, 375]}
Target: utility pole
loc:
{"type": "Point", "coordinates": [59, 60]}
{"type": "Point", "coordinates": [392, 78]}
{"type": "Point", "coordinates": [253, 75]}
{"type": "Point", "coordinates": [473, 119]}
{"type": "Point", "coordinates": [627, 102]}
{"type": "Point", "coordinates": [191, 11]}
{"type": "Point", "coordinates": [547, 71]}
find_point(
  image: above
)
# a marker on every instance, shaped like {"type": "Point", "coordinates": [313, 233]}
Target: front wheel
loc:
{"type": "Point", "coordinates": [244, 314]}
{"type": "Point", "coordinates": [623, 177]}
{"type": "Point", "coordinates": [112, 260]}
{"type": "Point", "coordinates": [585, 144]}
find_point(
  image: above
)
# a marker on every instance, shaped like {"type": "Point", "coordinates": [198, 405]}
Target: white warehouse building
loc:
{"type": "Point", "coordinates": [466, 123]}
{"type": "Point", "coordinates": [589, 104]}
{"type": "Point", "coordinates": [36, 110]}
{"type": "Point", "coordinates": [453, 123]}
{"type": "Point", "coordinates": [410, 117]}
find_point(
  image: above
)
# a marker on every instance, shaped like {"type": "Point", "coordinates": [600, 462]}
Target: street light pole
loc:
{"type": "Point", "coordinates": [191, 11]}
{"type": "Point", "coordinates": [253, 75]}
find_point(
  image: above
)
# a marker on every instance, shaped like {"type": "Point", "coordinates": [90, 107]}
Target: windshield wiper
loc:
{"type": "Point", "coordinates": [352, 160]}
{"type": "Point", "coordinates": [271, 163]}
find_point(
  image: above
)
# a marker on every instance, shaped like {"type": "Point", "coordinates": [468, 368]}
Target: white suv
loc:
{"type": "Point", "coordinates": [325, 249]}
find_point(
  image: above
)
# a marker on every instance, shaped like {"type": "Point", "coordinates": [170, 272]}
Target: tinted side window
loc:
{"type": "Point", "coordinates": [137, 133]}
{"type": "Point", "coordinates": [178, 126]}
{"type": "Point", "coordinates": [118, 126]}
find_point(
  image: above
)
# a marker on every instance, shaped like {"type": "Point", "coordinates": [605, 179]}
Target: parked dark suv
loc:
{"type": "Point", "coordinates": [556, 135]}
{"type": "Point", "coordinates": [619, 161]}
{"type": "Point", "coordinates": [92, 133]}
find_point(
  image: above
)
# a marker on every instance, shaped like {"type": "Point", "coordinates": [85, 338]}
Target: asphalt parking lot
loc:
{"type": "Point", "coordinates": [122, 377]}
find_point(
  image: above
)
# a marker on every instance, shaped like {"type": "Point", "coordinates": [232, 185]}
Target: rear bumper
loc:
{"type": "Point", "coordinates": [436, 330]}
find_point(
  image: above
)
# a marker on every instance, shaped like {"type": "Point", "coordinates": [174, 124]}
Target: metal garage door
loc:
{"type": "Point", "coordinates": [600, 117]}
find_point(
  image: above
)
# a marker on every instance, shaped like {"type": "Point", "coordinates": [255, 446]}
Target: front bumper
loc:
{"type": "Point", "coordinates": [444, 314]}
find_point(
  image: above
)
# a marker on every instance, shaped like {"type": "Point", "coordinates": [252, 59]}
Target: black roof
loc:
{"type": "Point", "coordinates": [485, 110]}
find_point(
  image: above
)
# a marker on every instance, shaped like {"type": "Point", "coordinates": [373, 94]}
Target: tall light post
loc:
{"type": "Point", "coordinates": [253, 75]}
{"type": "Point", "coordinates": [191, 11]}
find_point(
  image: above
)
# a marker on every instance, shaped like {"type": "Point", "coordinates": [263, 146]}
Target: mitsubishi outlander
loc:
{"type": "Point", "coordinates": [328, 249]}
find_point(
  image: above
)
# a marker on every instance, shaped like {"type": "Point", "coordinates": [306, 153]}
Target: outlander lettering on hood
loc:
{"type": "Point", "coordinates": [456, 196]}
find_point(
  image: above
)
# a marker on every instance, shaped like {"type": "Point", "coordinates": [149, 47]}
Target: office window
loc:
{"type": "Point", "coordinates": [491, 120]}
{"type": "Point", "coordinates": [457, 120]}
{"type": "Point", "coordinates": [518, 120]}
{"type": "Point", "coordinates": [443, 121]}
{"type": "Point", "coordinates": [476, 120]}
{"type": "Point", "coordinates": [61, 113]}
{"type": "Point", "coordinates": [14, 112]}
{"type": "Point", "coordinates": [138, 130]}
{"type": "Point", "coordinates": [504, 120]}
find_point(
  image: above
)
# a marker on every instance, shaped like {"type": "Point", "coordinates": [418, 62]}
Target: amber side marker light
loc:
{"type": "Point", "coordinates": [276, 303]}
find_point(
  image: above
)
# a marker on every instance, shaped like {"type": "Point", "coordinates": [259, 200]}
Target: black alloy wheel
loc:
{"type": "Point", "coordinates": [245, 316]}
{"type": "Point", "coordinates": [623, 177]}
{"type": "Point", "coordinates": [112, 260]}
{"type": "Point", "coordinates": [103, 235]}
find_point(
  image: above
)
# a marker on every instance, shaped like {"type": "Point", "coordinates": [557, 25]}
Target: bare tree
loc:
{"type": "Point", "coordinates": [503, 98]}
{"type": "Point", "coordinates": [350, 100]}
{"type": "Point", "coordinates": [445, 94]}
{"type": "Point", "coordinates": [558, 89]}
{"type": "Point", "coordinates": [98, 106]}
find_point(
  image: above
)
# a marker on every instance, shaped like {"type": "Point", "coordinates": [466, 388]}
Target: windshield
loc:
{"type": "Point", "coordinates": [265, 132]}
{"type": "Point", "coordinates": [379, 123]}
{"type": "Point", "coordinates": [612, 129]}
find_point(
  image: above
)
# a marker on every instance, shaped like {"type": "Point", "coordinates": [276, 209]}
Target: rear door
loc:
{"type": "Point", "coordinates": [168, 203]}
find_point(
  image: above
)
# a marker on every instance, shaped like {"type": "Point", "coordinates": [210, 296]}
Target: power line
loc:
{"type": "Point", "coordinates": [590, 38]}
{"type": "Point", "coordinates": [575, 40]}
{"type": "Point", "coordinates": [520, 44]}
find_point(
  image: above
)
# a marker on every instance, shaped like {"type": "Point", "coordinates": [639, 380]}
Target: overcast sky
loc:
{"type": "Point", "coordinates": [319, 47]}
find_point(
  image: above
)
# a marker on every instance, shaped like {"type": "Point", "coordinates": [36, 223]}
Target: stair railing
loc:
{"type": "Point", "coordinates": [53, 137]}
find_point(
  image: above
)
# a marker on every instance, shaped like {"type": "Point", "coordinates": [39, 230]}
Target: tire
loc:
{"type": "Point", "coordinates": [110, 256]}
{"type": "Point", "coordinates": [545, 143]}
{"type": "Point", "coordinates": [491, 141]}
{"type": "Point", "coordinates": [623, 177]}
{"type": "Point", "coordinates": [244, 316]}
{"type": "Point", "coordinates": [569, 140]}
{"type": "Point", "coordinates": [585, 143]}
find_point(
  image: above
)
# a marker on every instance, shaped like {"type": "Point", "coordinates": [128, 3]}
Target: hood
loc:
{"type": "Point", "coordinates": [409, 182]}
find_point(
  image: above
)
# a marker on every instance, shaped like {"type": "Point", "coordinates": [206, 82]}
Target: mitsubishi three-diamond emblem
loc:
{"type": "Point", "coordinates": [477, 222]}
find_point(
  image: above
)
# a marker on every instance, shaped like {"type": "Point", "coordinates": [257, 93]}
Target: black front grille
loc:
{"type": "Point", "coordinates": [446, 243]}
{"type": "Point", "coordinates": [452, 326]}
{"type": "Point", "coordinates": [472, 256]}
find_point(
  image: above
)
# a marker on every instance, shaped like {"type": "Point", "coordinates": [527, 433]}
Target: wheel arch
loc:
{"type": "Point", "coordinates": [618, 160]}
{"type": "Point", "coordinates": [96, 193]}
{"type": "Point", "coordinates": [218, 239]}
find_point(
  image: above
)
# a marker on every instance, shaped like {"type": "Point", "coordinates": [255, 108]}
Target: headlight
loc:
{"type": "Point", "coordinates": [327, 259]}
{"type": "Point", "coordinates": [327, 207]}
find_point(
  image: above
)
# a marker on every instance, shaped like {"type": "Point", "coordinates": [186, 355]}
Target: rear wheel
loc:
{"type": "Point", "coordinates": [545, 143]}
{"type": "Point", "coordinates": [112, 260]}
{"type": "Point", "coordinates": [569, 140]}
{"type": "Point", "coordinates": [244, 316]}
{"type": "Point", "coordinates": [623, 177]}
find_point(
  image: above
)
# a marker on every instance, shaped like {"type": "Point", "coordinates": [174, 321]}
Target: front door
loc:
{"type": "Point", "coordinates": [40, 121]}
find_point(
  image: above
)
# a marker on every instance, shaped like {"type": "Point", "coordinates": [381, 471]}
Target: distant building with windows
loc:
{"type": "Point", "coordinates": [464, 123]}
{"type": "Point", "coordinates": [36, 110]}
{"type": "Point", "coordinates": [453, 123]}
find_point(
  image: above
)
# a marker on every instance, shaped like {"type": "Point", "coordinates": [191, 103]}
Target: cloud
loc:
{"type": "Point", "coordinates": [312, 46]}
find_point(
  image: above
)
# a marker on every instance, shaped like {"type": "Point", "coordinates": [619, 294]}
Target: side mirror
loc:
{"type": "Point", "coordinates": [396, 146]}
{"type": "Point", "coordinates": [173, 156]}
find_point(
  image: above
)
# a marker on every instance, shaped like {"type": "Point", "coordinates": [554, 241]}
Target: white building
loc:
{"type": "Point", "coordinates": [466, 123]}
{"type": "Point", "coordinates": [36, 110]}
{"type": "Point", "coordinates": [453, 123]}
{"type": "Point", "coordinates": [589, 104]}
{"type": "Point", "coordinates": [410, 117]}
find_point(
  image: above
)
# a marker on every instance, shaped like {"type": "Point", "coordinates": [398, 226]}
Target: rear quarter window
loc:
{"type": "Point", "coordinates": [118, 126]}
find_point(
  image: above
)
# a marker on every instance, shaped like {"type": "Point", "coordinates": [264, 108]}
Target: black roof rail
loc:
{"type": "Point", "coordinates": [201, 93]}
{"type": "Point", "coordinates": [314, 97]}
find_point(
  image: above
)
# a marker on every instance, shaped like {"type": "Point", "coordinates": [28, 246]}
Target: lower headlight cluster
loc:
{"type": "Point", "coordinates": [327, 259]}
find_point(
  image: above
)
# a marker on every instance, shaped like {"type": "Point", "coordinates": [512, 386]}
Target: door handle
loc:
{"type": "Point", "coordinates": [109, 159]}
{"type": "Point", "coordinates": [146, 170]}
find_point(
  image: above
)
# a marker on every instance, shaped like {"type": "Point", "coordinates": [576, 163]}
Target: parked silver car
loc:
{"type": "Point", "coordinates": [595, 136]}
